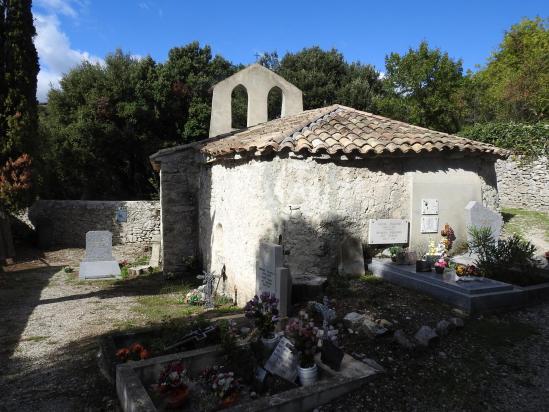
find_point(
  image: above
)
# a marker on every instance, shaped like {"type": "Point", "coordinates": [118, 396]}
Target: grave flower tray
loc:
{"type": "Point", "coordinates": [133, 380]}
{"type": "Point", "coordinates": [110, 344]}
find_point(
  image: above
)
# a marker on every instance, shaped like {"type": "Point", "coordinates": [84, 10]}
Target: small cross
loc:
{"type": "Point", "coordinates": [208, 280]}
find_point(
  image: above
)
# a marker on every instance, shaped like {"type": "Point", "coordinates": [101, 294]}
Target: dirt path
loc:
{"type": "Point", "coordinates": [48, 328]}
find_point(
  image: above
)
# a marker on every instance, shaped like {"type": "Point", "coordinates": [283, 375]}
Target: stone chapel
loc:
{"type": "Point", "coordinates": [308, 180]}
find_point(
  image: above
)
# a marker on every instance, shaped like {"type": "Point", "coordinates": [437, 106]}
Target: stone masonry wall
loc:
{"type": "Point", "coordinates": [524, 185]}
{"type": "Point", "coordinates": [309, 205]}
{"type": "Point", "coordinates": [65, 222]}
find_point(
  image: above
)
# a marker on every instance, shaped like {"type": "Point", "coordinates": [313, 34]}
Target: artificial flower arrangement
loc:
{"type": "Point", "coordinates": [223, 384]}
{"type": "Point", "coordinates": [305, 337]}
{"type": "Point", "coordinates": [263, 311]}
{"type": "Point", "coordinates": [174, 383]}
{"type": "Point", "coordinates": [448, 237]}
{"type": "Point", "coordinates": [467, 270]}
{"type": "Point", "coordinates": [440, 265]}
{"type": "Point", "coordinates": [134, 352]}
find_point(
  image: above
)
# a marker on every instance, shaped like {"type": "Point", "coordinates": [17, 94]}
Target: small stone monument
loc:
{"type": "Point", "coordinates": [351, 258]}
{"type": "Point", "coordinates": [155, 252]}
{"type": "Point", "coordinates": [99, 262]}
{"type": "Point", "coordinates": [479, 216]}
{"type": "Point", "coordinates": [208, 278]}
{"type": "Point", "coordinates": [273, 277]}
{"type": "Point", "coordinates": [283, 361]}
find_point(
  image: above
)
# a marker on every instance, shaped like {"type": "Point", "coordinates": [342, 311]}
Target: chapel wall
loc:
{"type": "Point", "coordinates": [179, 210]}
{"type": "Point", "coordinates": [312, 205]}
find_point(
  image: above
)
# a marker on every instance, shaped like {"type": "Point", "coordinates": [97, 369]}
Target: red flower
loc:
{"type": "Point", "coordinates": [122, 354]}
{"type": "Point", "coordinates": [144, 354]}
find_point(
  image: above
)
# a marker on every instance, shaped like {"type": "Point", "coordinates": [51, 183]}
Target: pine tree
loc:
{"type": "Point", "coordinates": [20, 77]}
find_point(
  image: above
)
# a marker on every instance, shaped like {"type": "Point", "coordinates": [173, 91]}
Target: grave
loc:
{"type": "Point", "coordinates": [133, 378]}
{"type": "Point", "coordinates": [99, 262]}
{"type": "Point", "coordinates": [479, 216]}
{"type": "Point", "coordinates": [351, 258]}
{"type": "Point", "coordinates": [273, 277]}
{"type": "Point", "coordinates": [479, 296]}
{"type": "Point", "coordinates": [387, 231]}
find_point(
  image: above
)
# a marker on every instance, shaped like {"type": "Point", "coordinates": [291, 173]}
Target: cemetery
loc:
{"type": "Point", "coordinates": [302, 233]}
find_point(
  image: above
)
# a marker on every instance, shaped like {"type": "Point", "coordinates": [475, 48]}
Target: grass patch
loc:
{"type": "Point", "coordinates": [493, 333]}
{"type": "Point", "coordinates": [370, 278]}
{"type": "Point", "coordinates": [169, 303]}
{"type": "Point", "coordinates": [34, 338]}
{"type": "Point", "coordinates": [520, 220]}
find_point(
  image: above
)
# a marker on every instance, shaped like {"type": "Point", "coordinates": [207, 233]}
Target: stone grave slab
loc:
{"type": "Point", "coordinates": [478, 216]}
{"type": "Point", "coordinates": [98, 262]}
{"type": "Point", "coordinates": [351, 257]}
{"type": "Point", "coordinates": [272, 276]}
{"type": "Point", "coordinates": [388, 231]}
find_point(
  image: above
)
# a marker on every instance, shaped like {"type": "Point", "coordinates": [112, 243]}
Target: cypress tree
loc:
{"type": "Point", "coordinates": [2, 76]}
{"type": "Point", "coordinates": [20, 74]}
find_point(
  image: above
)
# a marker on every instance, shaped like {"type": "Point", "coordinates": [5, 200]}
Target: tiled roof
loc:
{"type": "Point", "coordinates": [342, 130]}
{"type": "Point", "coordinates": [336, 130]}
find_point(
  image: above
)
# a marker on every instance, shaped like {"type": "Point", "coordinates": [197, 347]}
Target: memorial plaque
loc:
{"type": "Point", "coordinates": [429, 224]}
{"type": "Point", "coordinates": [121, 215]}
{"type": "Point", "coordinates": [331, 355]}
{"type": "Point", "coordinates": [429, 206]}
{"type": "Point", "coordinates": [387, 231]}
{"type": "Point", "coordinates": [283, 361]}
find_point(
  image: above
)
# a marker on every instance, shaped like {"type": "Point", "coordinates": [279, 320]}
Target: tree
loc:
{"type": "Point", "coordinates": [109, 119]}
{"type": "Point", "coordinates": [326, 78]}
{"type": "Point", "coordinates": [423, 88]}
{"type": "Point", "coordinates": [516, 78]}
{"type": "Point", "coordinates": [20, 71]}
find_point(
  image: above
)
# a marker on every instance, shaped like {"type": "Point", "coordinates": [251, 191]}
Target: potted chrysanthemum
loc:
{"type": "Point", "coordinates": [440, 265]}
{"type": "Point", "coordinates": [263, 311]}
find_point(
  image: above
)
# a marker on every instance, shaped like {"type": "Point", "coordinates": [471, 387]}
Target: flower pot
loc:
{"type": "Point", "coordinates": [270, 343]}
{"type": "Point", "coordinates": [439, 270]}
{"type": "Point", "coordinates": [423, 266]}
{"type": "Point", "coordinates": [307, 376]}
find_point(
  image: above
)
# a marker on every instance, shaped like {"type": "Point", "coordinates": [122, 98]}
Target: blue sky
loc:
{"type": "Point", "coordinates": [72, 30]}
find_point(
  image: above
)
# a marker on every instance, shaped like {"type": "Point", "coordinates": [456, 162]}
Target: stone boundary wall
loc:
{"type": "Point", "coordinates": [65, 222]}
{"type": "Point", "coordinates": [524, 185]}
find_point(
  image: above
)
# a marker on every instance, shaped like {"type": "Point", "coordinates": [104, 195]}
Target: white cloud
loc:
{"type": "Point", "coordinates": [53, 46]}
{"type": "Point", "coordinates": [64, 7]}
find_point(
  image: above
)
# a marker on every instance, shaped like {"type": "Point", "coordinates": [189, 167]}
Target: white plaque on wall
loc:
{"type": "Point", "coordinates": [429, 224]}
{"type": "Point", "coordinates": [429, 206]}
{"type": "Point", "coordinates": [387, 231]}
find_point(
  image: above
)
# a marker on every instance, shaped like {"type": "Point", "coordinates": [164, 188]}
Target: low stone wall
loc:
{"type": "Point", "coordinates": [65, 222]}
{"type": "Point", "coordinates": [524, 185]}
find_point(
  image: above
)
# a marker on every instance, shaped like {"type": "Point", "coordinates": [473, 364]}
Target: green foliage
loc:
{"type": "Point", "coordinates": [492, 256]}
{"type": "Point", "coordinates": [514, 85]}
{"type": "Point", "coordinates": [109, 119]}
{"type": "Point", "coordinates": [18, 72]}
{"type": "Point", "coordinates": [530, 140]}
{"type": "Point", "coordinates": [326, 78]}
{"type": "Point", "coordinates": [423, 88]}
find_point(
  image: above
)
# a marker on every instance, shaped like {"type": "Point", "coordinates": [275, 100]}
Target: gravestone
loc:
{"type": "Point", "coordinates": [351, 258]}
{"type": "Point", "coordinates": [155, 252]}
{"type": "Point", "coordinates": [387, 231]}
{"type": "Point", "coordinates": [479, 216]}
{"type": "Point", "coordinates": [99, 262]}
{"type": "Point", "coordinates": [283, 361]}
{"type": "Point", "coordinates": [273, 277]}
{"type": "Point", "coordinates": [429, 224]}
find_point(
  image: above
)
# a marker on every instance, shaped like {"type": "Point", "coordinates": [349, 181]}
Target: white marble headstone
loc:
{"type": "Point", "coordinates": [479, 216]}
{"type": "Point", "coordinates": [99, 262]}
{"type": "Point", "coordinates": [351, 257]}
{"type": "Point", "coordinates": [272, 276]}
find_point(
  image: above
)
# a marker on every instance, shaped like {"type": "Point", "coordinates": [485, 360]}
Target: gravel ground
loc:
{"type": "Point", "coordinates": [49, 325]}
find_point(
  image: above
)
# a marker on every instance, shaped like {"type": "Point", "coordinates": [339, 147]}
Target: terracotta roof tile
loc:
{"type": "Point", "coordinates": [337, 130]}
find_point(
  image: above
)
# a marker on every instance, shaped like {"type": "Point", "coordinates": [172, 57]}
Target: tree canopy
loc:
{"type": "Point", "coordinates": [100, 126]}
